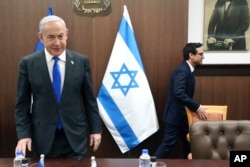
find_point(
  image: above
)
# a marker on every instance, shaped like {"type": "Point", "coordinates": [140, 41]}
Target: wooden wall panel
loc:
{"type": "Point", "coordinates": [160, 28]}
{"type": "Point", "coordinates": [225, 90]}
{"type": "Point", "coordinates": [161, 32]}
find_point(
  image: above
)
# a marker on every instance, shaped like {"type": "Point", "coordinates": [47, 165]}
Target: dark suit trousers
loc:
{"type": "Point", "coordinates": [61, 147]}
{"type": "Point", "coordinates": [172, 134]}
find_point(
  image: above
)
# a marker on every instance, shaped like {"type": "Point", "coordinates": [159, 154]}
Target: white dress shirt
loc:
{"type": "Point", "coordinates": [61, 63]}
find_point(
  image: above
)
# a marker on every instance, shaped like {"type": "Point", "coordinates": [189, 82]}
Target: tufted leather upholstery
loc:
{"type": "Point", "coordinates": [215, 139]}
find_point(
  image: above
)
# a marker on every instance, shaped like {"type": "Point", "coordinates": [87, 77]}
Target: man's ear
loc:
{"type": "Point", "coordinates": [67, 33]}
{"type": "Point", "coordinates": [190, 55]}
{"type": "Point", "coordinates": [40, 36]}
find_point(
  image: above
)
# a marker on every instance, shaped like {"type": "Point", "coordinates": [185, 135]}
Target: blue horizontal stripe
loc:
{"type": "Point", "coordinates": [117, 118]}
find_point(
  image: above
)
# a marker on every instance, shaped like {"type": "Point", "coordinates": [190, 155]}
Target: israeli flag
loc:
{"type": "Point", "coordinates": [125, 101]}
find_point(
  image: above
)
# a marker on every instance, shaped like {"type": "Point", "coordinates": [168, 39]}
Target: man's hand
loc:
{"type": "Point", "coordinates": [95, 141]}
{"type": "Point", "coordinates": [228, 42]}
{"type": "Point", "coordinates": [211, 40]}
{"type": "Point", "coordinates": [202, 113]}
{"type": "Point", "coordinates": [24, 144]}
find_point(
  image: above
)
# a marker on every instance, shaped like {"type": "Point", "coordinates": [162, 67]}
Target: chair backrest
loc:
{"type": "Point", "coordinates": [215, 113]}
{"type": "Point", "coordinates": [215, 139]}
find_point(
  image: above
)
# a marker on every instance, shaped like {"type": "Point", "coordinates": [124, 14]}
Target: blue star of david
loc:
{"type": "Point", "coordinates": [123, 83]}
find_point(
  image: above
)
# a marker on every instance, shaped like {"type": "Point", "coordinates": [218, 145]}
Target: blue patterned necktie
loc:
{"type": "Point", "coordinates": [57, 85]}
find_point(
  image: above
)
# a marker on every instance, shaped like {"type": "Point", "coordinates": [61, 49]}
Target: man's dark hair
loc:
{"type": "Point", "coordinates": [190, 48]}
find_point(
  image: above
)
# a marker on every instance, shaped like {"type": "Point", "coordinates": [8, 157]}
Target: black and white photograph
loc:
{"type": "Point", "coordinates": [226, 25]}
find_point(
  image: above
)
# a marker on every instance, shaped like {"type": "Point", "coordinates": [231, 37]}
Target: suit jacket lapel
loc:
{"type": "Point", "coordinates": [191, 79]}
{"type": "Point", "coordinates": [69, 67]}
{"type": "Point", "coordinates": [44, 70]}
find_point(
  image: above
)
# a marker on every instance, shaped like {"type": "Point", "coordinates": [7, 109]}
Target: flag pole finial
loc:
{"type": "Point", "coordinates": [124, 7]}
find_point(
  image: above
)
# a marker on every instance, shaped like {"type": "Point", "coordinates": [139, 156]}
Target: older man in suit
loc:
{"type": "Point", "coordinates": [56, 127]}
{"type": "Point", "coordinates": [180, 94]}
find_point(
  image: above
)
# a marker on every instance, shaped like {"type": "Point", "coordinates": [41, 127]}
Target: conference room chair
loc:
{"type": "Point", "coordinates": [215, 113]}
{"type": "Point", "coordinates": [215, 139]}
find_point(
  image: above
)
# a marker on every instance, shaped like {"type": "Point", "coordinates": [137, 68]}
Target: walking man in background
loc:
{"type": "Point", "coordinates": [180, 94]}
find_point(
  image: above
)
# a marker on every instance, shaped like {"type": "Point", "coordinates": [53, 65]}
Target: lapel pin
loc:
{"type": "Point", "coordinates": [72, 62]}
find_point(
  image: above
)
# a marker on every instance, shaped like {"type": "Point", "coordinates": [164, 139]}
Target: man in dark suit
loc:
{"type": "Point", "coordinates": [56, 127]}
{"type": "Point", "coordinates": [180, 94]}
{"type": "Point", "coordinates": [229, 22]}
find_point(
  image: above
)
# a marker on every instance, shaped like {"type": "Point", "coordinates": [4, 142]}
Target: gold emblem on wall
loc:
{"type": "Point", "coordinates": [91, 8]}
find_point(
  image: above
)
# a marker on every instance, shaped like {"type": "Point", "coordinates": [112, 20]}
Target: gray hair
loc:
{"type": "Point", "coordinates": [50, 18]}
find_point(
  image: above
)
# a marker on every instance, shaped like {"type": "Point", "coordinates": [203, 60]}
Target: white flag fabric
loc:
{"type": "Point", "coordinates": [125, 101]}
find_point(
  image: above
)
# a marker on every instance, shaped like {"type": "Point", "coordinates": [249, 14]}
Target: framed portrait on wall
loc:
{"type": "Point", "coordinates": [226, 25]}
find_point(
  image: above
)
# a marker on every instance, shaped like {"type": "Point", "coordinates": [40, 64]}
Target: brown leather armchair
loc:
{"type": "Point", "coordinates": [215, 139]}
